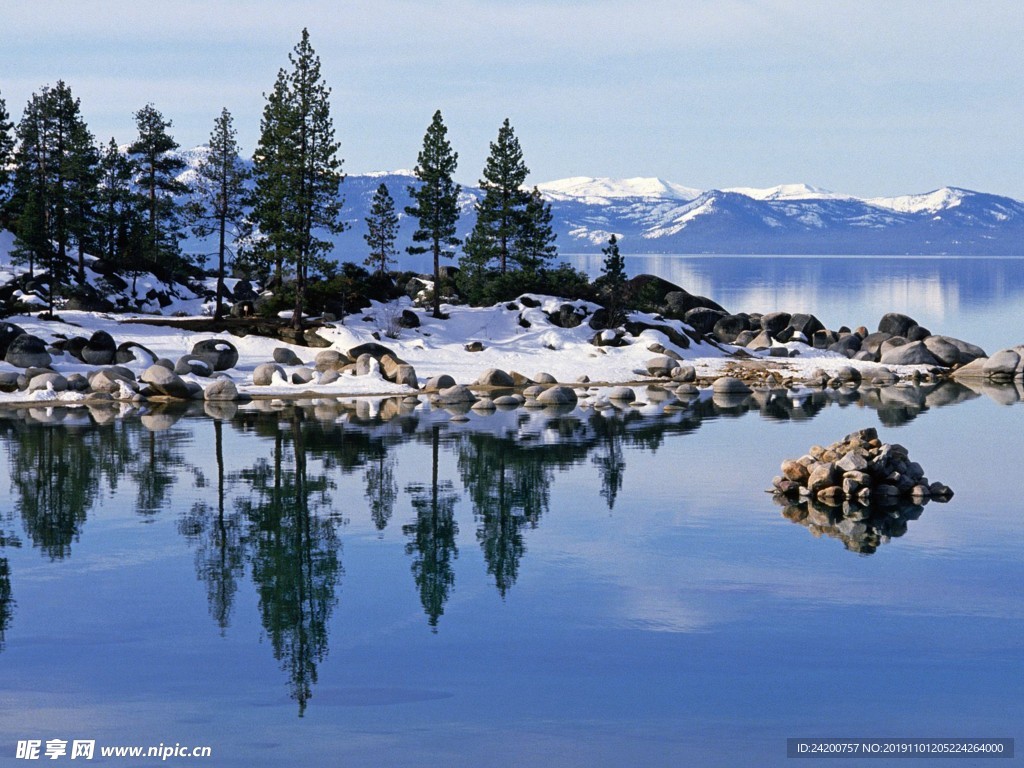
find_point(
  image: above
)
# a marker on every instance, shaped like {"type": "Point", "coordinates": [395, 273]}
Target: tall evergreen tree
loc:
{"type": "Point", "coordinates": [118, 209]}
{"type": "Point", "coordinates": [612, 281]}
{"type": "Point", "coordinates": [535, 242]}
{"type": "Point", "coordinates": [382, 224]}
{"type": "Point", "coordinates": [435, 200]}
{"type": "Point", "coordinates": [157, 170]}
{"type": "Point", "coordinates": [298, 173]}
{"type": "Point", "coordinates": [499, 213]}
{"type": "Point", "coordinates": [54, 183]}
{"type": "Point", "coordinates": [219, 195]}
{"type": "Point", "coordinates": [6, 157]}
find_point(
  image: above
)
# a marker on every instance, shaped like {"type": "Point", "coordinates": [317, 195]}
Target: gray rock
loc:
{"type": "Point", "coordinates": [264, 374]}
{"type": "Point", "coordinates": [495, 377]}
{"type": "Point", "coordinates": [100, 349]}
{"type": "Point", "coordinates": [727, 328]}
{"type": "Point", "coordinates": [911, 353]}
{"type": "Point", "coordinates": [221, 389]}
{"type": "Point", "coordinates": [8, 333]}
{"type": "Point", "coordinates": [509, 401]}
{"type": "Point", "coordinates": [847, 345]}
{"type": "Point", "coordinates": [8, 381]}
{"type": "Point", "coordinates": [773, 323]}
{"type": "Point", "coordinates": [544, 378]}
{"type": "Point", "coordinates": [77, 382]}
{"type": "Point", "coordinates": [873, 342]}
{"type": "Point", "coordinates": [166, 382]}
{"type": "Point", "coordinates": [945, 353]}
{"type": "Point", "coordinates": [106, 380]}
{"type": "Point", "coordinates": [1002, 364]}
{"type": "Point", "coordinates": [48, 380]}
{"type": "Point", "coordinates": [331, 360]}
{"type": "Point", "coordinates": [622, 394]}
{"type": "Point", "coordinates": [684, 373]}
{"type": "Point", "coordinates": [558, 396]}
{"type": "Point", "coordinates": [703, 319]}
{"type": "Point", "coordinates": [193, 364]}
{"type": "Point", "coordinates": [729, 385]}
{"type": "Point", "coordinates": [896, 324]}
{"type": "Point", "coordinates": [27, 351]}
{"type": "Point", "coordinates": [365, 363]}
{"type": "Point", "coordinates": [460, 393]}
{"type": "Point", "coordinates": [328, 377]}
{"type": "Point", "coordinates": [303, 376]}
{"type": "Point", "coordinates": [444, 381]}
{"type": "Point", "coordinates": [133, 352]}
{"type": "Point", "coordinates": [763, 340]}
{"type": "Point", "coordinates": [221, 354]}
{"type": "Point", "coordinates": [285, 356]}
{"type": "Point", "coordinates": [662, 365]}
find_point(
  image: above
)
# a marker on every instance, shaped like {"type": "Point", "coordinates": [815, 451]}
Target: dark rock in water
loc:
{"type": "Point", "coordinates": [911, 353]}
{"type": "Point", "coordinates": [729, 327]}
{"type": "Point", "coordinates": [221, 354]}
{"type": "Point", "coordinates": [27, 351]}
{"type": "Point", "coordinates": [775, 322]}
{"type": "Point", "coordinates": [896, 324]}
{"type": "Point", "coordinates": [703, 319]}
{"type": "Point", "coordinates": [100, 349]}
{"type": "Point", "coordinates": [8, 333]}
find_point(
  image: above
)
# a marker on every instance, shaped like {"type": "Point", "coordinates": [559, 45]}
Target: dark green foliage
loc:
{"type": "Point", "coordinates": [612, 282]}
{"type": "Point", "coordinates": [6, 156]}
{"type": "Point", "coordinates": [297, 174]}
{"type": "Point", "coordinates": [157, 169]}
{"type": "Point", "coordinates": [219, 196]}
{"type": "Point", "coordinates": [382, 224]}
{"type": "Point", "coordinates": [54, 182]}
{"type": "Point", "coordinates": [482, 289]}
{"type": "Point", "coordinates": [119, 215]}
{"type": "Point", "coordinates": [535, 244]}
{"type": "Point", "coordinates": [435, 201]}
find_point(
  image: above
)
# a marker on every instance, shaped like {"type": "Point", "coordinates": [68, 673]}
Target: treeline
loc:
{"type": "Point", "coordinates": [64, 196]}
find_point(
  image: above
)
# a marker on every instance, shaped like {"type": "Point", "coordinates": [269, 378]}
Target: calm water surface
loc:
{"type": "Point", "coordinates": [323, 585]}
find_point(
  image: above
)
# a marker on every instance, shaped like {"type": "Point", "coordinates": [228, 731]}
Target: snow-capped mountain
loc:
{"type": "Point", "coordinates": [652, 215]}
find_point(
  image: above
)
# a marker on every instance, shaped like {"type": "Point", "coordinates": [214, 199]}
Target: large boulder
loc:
{"type": "Point", "coordinates": [662, 365]}
{"type": "Point", "coordinates": [193, 364]}
{"type": "Point", "coordinates": [164, 382]}
{"type": "Point", "coordinates": [558, 396]}
{"type": "Point", "coordinates": [285, 356]}
{"type": "Point", "coordinates": [264, 374]}
{"type": "Point", "coordinates": [220, 353]}
{"type": "Point", "coordinates": [678, 303]}
{"type": "Point", "coordinates": [28, 351]}
{"type": "Point", "coordinates": [911, 353]}
{"type": "Point", "coordinates": [1004, 364]}
{"type": "Point", "coordinates": [703, 319]}
{"type": "Point", "coordinates": [456, 395]}
{"type": "Point", "coordinates": [48, 380]}
{"type": "Point", "coordinates": [374, 350]}
{"type": "Point", "coordinates": [966, 352]}
{"type": "Point", "coordinates": [495, 377]}
{"type": "Point", "coordinates": [133, 352]}
{"type": "Point", "coordinates": [774, 323]}
{"type": "Point", "coordinates": [896, 324]}
{"type": "Point", "coordinates": [729, 327]}
{"type": "Point", "coordinates": [220, 390]}
{"type": "Point", "coordinates": [8, 333]}
{"type": "Point", "coordinates": [331, 360]}
{"type": "Point", "coordinates": [100, 349]}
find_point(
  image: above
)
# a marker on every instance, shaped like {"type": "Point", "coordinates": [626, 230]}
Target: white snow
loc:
{"type": "Point", "coordinates": [599, 191]}
{"type": "Point", "coordinates": [931, 202]}
{"type": "Point", "coordinates": [788, 192]}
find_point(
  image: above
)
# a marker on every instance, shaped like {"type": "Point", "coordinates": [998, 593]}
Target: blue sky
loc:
{"type": "Point", "coordinates": [868, 98]}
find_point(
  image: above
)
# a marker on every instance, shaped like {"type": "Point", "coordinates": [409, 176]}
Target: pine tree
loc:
{"type": "Point", "coordinates": [499, 213]}
{"type": "Point", "coordinates": [157, 170]}
{"type": "Point", "coordinates": [535, 242]}
{"type": "Point", "coordinates": [118, 209]}
{"type": "Point", "coordinates": [219, 195]}
{"type": "Point", "coordinates": [435, 200]}
{"type": "Point", "coordinates": [382, 224]}
{"type": "Point", "coordinates": [53, 188]}
{"type": "Point", "coordinates": [297, 174]}
{"type": "Point", "coordinates": [6, 157]}
{"type": "Point", "coordinates": [612, 281]}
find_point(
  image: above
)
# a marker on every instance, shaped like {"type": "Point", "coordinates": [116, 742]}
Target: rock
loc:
{"type": "Point", "coordinates": [1002, 364]}
{"type": "Point", "coordinates": [895, 324]}
{"type": "Point", "coordinates": [409, 319]}
{"type": "Point", "coordinates": [220, 354]}
{"type": "Point", "coordinates": [166, 382]}
{"type": "Point", "coordinates": [495, 377]}
{"type": "Point", "coordinates": [222, 389]}
{"type": "Point", "coordinates": [508, 401]}
{"type": "Point", "coordinates": [873, 342]}
{"type": "Point", "coordinates": [608, 338]}
{"type": "Point", "coordinates": [622, 394]}
{"type": "Point", "coordinates": [824, 339]}
{"type": "Point", "coordinates": [264, 374]}
{"type": "Point", "coordinates": [684, 373]}
{"type": "Point", "coordinates": [763, 340]}
{"type": "Point", "coordinates": [703, 319]}
{"type": "Point", "coordinates": [133, 352]}
{"type": "Point", "coordinates": [331, 360]}
{"type": "Point", "coordinates": [822, 475]}
{"type": "Point", "coordinates": [795, 471]}
{"type": "Point", "coordinates": [27, 351]}
{"type": "Point", "coordinates": [9, 381]}
{"type": "Point", "coordinates": [106, 380]}
{"type": "Point", "coordinates": [847, 345]}
{"type": "Point", "coordinates": [168, 364]}
{"type": "Point", "coordinates": [398, 371]}
{"type": "Point", "coordinates": [917, 333]}
{"type": "Point", "coordinates": [444, 381]}
{"type": "Point", "coordinates": [773, 323]}
{"type": "Point", "coordinates": [729, 327]}
{"type": "Point", "coordinates": [460, 393]}
{"type": "Point", "coordinates": [542, 377]}
{"type": "Point", "coordinates": [475, 346]}
{"type": "Point", "coordinates": [911, 353]}
{"type": "Point", "coordinates": [285, 356]}
{"type": "Point", "coordinates": [193, 364]}
{"type": "Point", "coordinates": [328, 377]}
{"type": "Point", "coordinates": [804, 324]}
{"type": "Point", "coordinates": [636, 327]}
{"type": "Point", "coordinates": [100, 349]}
{"type": "Point", "coordinates": [662, 365]}
{"type": "Point", "coordinates": [729, 385]}
{"type": "Point", "coordinates": [558, 396]}
{"type": "Point", "coordinates": [49, 380]}
{"type": "Point", "coordinates": [365, 364]}
{"type": "Point", "coordinates": [303, 376]}
{"type": "Point", "coordinates": [8, 333]}
{"type": "Point", "coordinates": [678, 302]}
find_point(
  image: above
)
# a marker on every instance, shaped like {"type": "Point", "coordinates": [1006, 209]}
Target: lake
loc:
{"type": "Point", "coordinates": [311, 583]}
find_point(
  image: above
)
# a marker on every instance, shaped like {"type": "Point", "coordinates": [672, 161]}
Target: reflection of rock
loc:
{"type": "Point", "coordinates": [850, 483]}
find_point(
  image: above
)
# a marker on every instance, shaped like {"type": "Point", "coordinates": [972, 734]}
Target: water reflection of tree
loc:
{"type": "Point", "coordinates": [610, 462]}
{"type": "Point", "coordinates": [156, 468]}
{"type": "Point", "coordinates": [6, 600]}
{"type": "Point", "coordinates": [432, 543]}
{"type": "Point", "coordinates": [55, 480]}
{"type": "Point", "coordinates": [218, 539]}
{"type": "Point", "coordinates": [381, 488]}
{"type": "Point", "coordinates": [294, 553]}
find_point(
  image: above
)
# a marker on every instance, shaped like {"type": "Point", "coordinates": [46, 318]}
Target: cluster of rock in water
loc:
{"type": "Point", "coordinates": [859, 490]}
